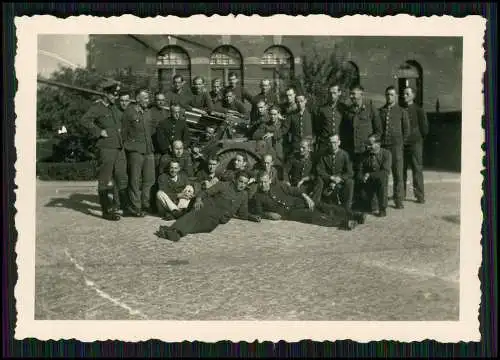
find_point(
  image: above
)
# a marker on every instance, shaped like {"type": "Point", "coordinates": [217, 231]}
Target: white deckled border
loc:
{"type": "Point", "coordinates": [471, 28]}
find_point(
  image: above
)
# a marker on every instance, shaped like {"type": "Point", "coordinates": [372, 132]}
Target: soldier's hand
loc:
{"type": "Point", "coordinates": [309, 202]}
{"type": "Point", "coordinates": [366, 177]}
{"type": "Point", "coordinates": [198, 204]}
{"type": "Point", "coordinates": [104, 133]}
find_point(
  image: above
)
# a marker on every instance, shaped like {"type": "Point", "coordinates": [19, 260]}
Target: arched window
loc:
{"type": "Point", "coordinates": [171, 61]}
{"type": "Point", "coordinates": [226, 59]}
{"type": "Point", "coordinates": [277, 65]}
{"type": "Point", "coordinates": [410, 74]}
{"type": "Point", "coordinates": [351, 74]}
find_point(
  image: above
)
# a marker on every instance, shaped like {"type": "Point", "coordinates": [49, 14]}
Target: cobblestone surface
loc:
{"type": "Point", "coordinates": [403, 267]}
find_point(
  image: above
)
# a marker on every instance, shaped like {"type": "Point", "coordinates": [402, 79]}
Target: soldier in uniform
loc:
{"type": "Point", "coordinates": [159, 115]}
{"type": "Point", "coordinates": [336, 171]}
{"type": "Point", "coordinates": [373, 173]}
{"type": "Point", "coordinates": [175, 192]}
{"type": "Point", "coordinates": [280, 201]}
{"type": "Point", "coordinates": [360, 121]}
{"type": "Point", "coordinates": [268, 134]}
{"type": "Point", "coordinates": [210, 174]}
{"type": "Point", "coordinates": [201, 99]}
{"type": "Point", "coordinates": [329, 119]}
{"type": "Point", "coordinates": [170, 130]}
{"type": "Point", "coordinates": [231, 103]}
{"type": "Point", "coordinates": [266, 94]}
{"type": "Point", "coordinates": [104, 123]}
{"type": "Point", "coordinates": [259, 115]}
{"type": "Point", "coordinates": [240, 164]}
{"type": "Point", "coordinates": [137, 129]}
{"type": "Point", "coordinates": [217, 94]}
{"type": "Point", "coordinates": [299, 172]}
{"type": "Point", "coordinates": [300, 124]}
{"type": "Point", "coordinates": [214, 206]}
{"type": "Point", "coordinates": [239, 92]}
{"type": "Point", "coordinates": [181, 156]}
{"type": "Point", "coordinates": [395, 130]}
{"type": "Point", "coordinates": [179, 94]}
{"type": "Point", "coordinates": [288, 108]}
{"type": "Point", "coordinates": [413, 150]}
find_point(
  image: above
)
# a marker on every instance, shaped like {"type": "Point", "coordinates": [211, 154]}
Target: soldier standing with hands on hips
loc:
{"type": "Point", "coordinates": [103, 122]}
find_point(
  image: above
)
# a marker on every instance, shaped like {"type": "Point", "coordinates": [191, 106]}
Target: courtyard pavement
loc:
{"type": "Point", "coordinates": [402, 267]}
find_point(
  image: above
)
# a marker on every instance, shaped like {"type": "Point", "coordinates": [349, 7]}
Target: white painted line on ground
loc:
{"type": "Point", "coordinates": [101, 293]}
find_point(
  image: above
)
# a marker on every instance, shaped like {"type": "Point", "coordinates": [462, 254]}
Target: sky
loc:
{"type": "Point", "coordinates": [55, 50]}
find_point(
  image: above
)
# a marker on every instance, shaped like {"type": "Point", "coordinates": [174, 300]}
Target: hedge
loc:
{"type": "Point", "coordinates": [79, 171]}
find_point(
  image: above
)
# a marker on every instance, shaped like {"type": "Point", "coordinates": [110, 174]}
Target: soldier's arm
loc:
{"type": "Point", "coordinates": [189, 169]}
{"type": "Point", "coordinates": [162, 138]}
{"type": "Point", "coordinates": [385, 168]}
{"type": "Point", "coordinates": [242, 212]}
{"type": "Point", "coordinates": [376, 122]}
{"type": "Point", "coordinates": [277, 133]}
{"type": "Point", "coordinates": [321, 170]}
{"type": "Point", "coordinates": [405, 124]}
{"type": "Point", "coordinates": [186, 138]}
{"type": "Point", "coordinates": [423, 122]}
{"type": "Point", "coordinates": [291, 190]}
{"type": "Point", "coordinates": [208, 103]}
{"type": "Point", "coordinates": [88, 122]}
{"type": "Point", "coordinates": [260, 132]}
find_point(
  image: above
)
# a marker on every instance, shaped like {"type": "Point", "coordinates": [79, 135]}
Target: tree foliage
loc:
{"type": "Point", "coordinates": [320, 70]}
{"type": "Point", "coordinates": [57, 107]}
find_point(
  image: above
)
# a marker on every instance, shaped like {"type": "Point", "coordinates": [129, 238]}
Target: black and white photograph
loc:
{"type": "Point", "coordinates": [189, 174]}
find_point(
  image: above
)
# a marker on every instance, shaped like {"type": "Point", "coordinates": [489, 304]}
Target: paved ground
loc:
{"type": "Point", "coordinates": [403, 267]}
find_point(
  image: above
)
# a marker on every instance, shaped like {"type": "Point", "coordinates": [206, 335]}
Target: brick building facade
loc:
{"type": "Point", "coordinates": [432, 64]}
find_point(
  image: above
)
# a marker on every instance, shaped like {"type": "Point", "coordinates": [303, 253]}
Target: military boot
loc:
{"type": "Point", "coordinates": [123, 197]}
{"type": "Point", "coordinates": [109, 211]}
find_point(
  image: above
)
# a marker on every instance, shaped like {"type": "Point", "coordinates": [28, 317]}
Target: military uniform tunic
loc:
{"type": "Point", "coordinates": [395, 130]}
{"type": "Point", "coordinates": [289, 203]}
{"type": "Point", "coordinates": [111, 156]}
{"type": "Point", "coordinates": [137, 129]}
{"type": "Point", "coordinates": [338, 164]}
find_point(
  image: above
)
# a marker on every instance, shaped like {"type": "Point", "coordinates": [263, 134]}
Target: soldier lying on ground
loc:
{"type": "Point", "coordinates": [214, 206]}
{"type": "Point", "coordinates": [174, 192]}
{"type": "Point", "coordinates": [280, 201]}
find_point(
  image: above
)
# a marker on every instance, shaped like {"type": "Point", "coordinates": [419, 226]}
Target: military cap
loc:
{"type": "Point", "coordinates": [109, 86]}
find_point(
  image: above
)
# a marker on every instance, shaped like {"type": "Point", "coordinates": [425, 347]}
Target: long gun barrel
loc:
{"type": "Point", "coordinates": [70, 87]}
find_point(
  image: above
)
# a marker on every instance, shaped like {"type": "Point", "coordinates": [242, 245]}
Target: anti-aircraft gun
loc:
{"type": "Point", "coordinates": [213, 134]}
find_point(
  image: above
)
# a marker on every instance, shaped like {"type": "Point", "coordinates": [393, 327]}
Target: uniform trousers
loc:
{"type": "Point", "coordinates": [141, 169]}
{"type": "Point", "coordinates": [376, 188]}
{"type": "Point", "coordinates": [322, 215]}
{"type": "Point", "coordinates": [397, 171]}
{"type": "Point", "coordinates": [112, 178]}
{"type": "Point", "coordinates": [413, 159]}
{"type": "Point", "coordinates": [204, 220]}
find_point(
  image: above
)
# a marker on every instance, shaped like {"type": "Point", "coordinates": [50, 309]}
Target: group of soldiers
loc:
{"type": "Point", "coordinates": [336, 159]}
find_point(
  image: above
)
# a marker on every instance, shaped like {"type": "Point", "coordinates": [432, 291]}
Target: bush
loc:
{"type": "Point", "coordinates": [79, 171]}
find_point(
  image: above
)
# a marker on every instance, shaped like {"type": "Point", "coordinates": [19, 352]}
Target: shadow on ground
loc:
{"type": "Point", "coordinates": [83, 203]}
{"type": "Point", "coordinates": [455, 219]}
